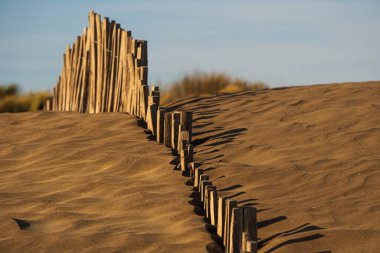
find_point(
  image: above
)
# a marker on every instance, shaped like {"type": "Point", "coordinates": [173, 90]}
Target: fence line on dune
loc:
{"type": "Point", "coordinates": [106, 70]}
{"type": "Point", "coordinates": [236, 226]}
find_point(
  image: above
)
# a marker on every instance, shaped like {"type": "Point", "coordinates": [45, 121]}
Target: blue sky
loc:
{"type": "Point", "coordinates": [279, 42]}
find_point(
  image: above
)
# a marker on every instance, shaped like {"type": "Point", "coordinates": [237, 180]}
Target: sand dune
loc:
{"type": "Point", "coordinates": [91, 183]}
{"type": "Point", "coordinates": [307, 157]}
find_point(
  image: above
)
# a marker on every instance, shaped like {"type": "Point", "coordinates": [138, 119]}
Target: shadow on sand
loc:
{"type": "Point", "coordinates": [203, 112]}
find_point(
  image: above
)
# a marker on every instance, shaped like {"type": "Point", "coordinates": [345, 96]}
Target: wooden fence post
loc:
{"type": "Point", "coordinates": [236, 230]}
{"type": "Point", "coordinates": [204, 183]}
{"type": "Point", "coordinates": [207, 201]}
{"type": "Point", "coordinates": [192, 166]}
{"type": "Point", "coordinates": [47, 105]}
{"type": "Point", "coordinates": [154, 100]}
{"type": "Point", "coordinates": [168, 129]}
{"type": "Point", "coordinates": [203, 177]}
{"type": "Point", "coordinates": [179, 141]}
{"type": "Point", "coordinates": [144, 102]}
{"type": "Point", "coordinates": [152, 120]}
{"type": "Point", "coordinates": [176, 117]}
{"type": "Point", "coordinates": [250, 221]}
{"type": "Point", "coordinates": [214, 207]}
{"type": "Point", "coordinates": [251, 247]}
{"type": "Point", "coordinates": [230, 204]}
{"type": "Point", "coordinates": [160, 124]}
{"type": "Point", "coordinates": [187, 122]}
{"type": "Point", "coordinates": [245, 237]}
{"type": "Point", "coordinates": [190, 153]}
{"type": "Point", "coordinates": [221, 216]}
{"type": "Point", "coordinates": [184, 159]}
{"type": "Point", "coordinates": [155, 91]}
{"type": "Point", "coordinates": [183, 139]}
{"type": "Point", "coordinates": [198, 172]}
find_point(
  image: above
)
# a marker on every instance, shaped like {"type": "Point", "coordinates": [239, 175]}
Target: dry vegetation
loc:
{"type": "Point", "coordinates": [12, 101]}
{"type": "Point", "coordinates": [193, 84]}
{"type": "Point", "coordinates": [198, 83]}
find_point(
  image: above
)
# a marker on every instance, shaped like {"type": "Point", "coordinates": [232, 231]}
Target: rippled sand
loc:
{"type": "Point", "coordinates": [307, 157]}
{"type": "Point", "coordinates": [91, 183]}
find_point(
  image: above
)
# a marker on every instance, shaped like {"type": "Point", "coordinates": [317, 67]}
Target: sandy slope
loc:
{"type": "Point", "coordinates": [91, 183]}
{"type": "Point", "coordinates": [307, 157]}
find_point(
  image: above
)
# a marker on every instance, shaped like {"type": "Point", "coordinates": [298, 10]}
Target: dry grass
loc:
{"type": "Point", "coordinates": [193, 84]}
{"type": "Point", "coordinates": [12, 101]}
{"type": "Point", "coordinates": [198, 83]}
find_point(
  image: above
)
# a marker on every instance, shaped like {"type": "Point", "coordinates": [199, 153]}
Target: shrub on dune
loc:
{"type": "Point", "coordinates": [12, 101]}
{"type": "Point", "coordinates": [198, 83]}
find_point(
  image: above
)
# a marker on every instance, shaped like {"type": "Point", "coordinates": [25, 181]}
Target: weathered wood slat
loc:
{"type": "Point", "coordinates": [230, 204]}
{"type": "Point", "coordinates": [236, 230]}
{"type": "Point", "coordinates": [250, 221]}
{"type": "Point", "coordinates": [131, 84]}
{"type": "Point", "coordinates": [207, 201]}
{"type": "Point", "coordinates": [214, 207]}
{"type": "Point", "coordinates": [130, 76]}
{"type": "Point", "coordinates": [184, 157]}
{"type": "Point", "coordinates": [221, 216]}
{"type": "Point", "coordinates": [68, 78]}
{"type": "Point", "coordinates": [168, 129]}
{"type": "Point", "coordinates": [47, 105]}
{"type": "Point", "coordinates": [118, 72]}
{"type": "Point", "coordinates": [99, 64]}
{"type": "Point", "coordinates": [105, 59]}
{"type": "Point", "coordinates": [187, 123]}
{"type": "Point", "coordinates": [144, 91]}
{"type": "Point", "coordinates": [125, 79]}
{"type": "Point", "coordinates": [63, 85]}
{"type": "Point", "coordinates": [251, 247]}
{"type": "Point", "coordinates": [79, 74]}
{"type": "Point", "coordinates": [203, 177]}
{"type": "Point", "coordinates": [54, 106]}
{"type": "Point", "coordinates": [93, 57]}
{"type": "Point", "coordinates": [160, 124]}
{"type": "Point", "coordinates": [192, 166]}
{"type": "Point", "coordinates": [176, 118]}
{"type": "Point", "coordinates": [190, 153]}
{"type": "Point", "coordinates": [183, 139]}
{"type": "Point", "coordinates": [85, 73]}
{"type": "Point", "coordinates": [198, 172]}
{"type": "Point", "coordinates": [112, 67]}
{"type": "Point", "coordinates": [245, 237]}
{"type": "Point", "coordinates": [152, 118]}
{"type": "Point", "coordinates": [73, 72]}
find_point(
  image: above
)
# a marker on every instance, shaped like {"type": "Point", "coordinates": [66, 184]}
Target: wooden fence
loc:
{"type": "Point", "coordinates": [106, 71]}
{"type": "Point", "coordinates": [236, 226]}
